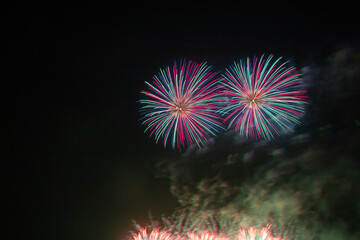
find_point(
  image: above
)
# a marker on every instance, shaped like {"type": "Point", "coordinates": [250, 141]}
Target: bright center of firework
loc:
{"type": "Point", "coordinates": [178, 108]}
{"type": "Point", "coordinates": [253, 99]}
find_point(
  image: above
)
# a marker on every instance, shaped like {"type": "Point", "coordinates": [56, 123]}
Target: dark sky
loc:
{"type": "Point", "coordinates": [77, 164]}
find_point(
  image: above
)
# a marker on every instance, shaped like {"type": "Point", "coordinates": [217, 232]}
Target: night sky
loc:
{"type": "Point", "coordinates": [77, 164]}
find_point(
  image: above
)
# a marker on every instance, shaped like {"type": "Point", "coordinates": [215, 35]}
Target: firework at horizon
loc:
{"type": "Point", "coordinates": [262, 99]}
{"type": "Point", "coordinates": [251, 233]}
{"type": "Point", "coordinates": [155, 234]}
{"type": "Point", "coordinates": [182, 104]}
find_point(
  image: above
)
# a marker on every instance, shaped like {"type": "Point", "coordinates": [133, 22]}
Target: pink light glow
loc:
{"type": "Point", "coordinates": [251, 233]}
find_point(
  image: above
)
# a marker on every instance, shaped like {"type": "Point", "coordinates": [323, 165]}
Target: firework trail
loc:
{"type": "Point", "coordinates": [262, 99]}
{"type": "Point", "coordinates": [182, 104]}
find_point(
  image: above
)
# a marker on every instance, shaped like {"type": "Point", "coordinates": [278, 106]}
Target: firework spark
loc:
{"type": "Point", "coordinates": [182, 104]}
{"type": "Point", "coordinates": [263, 99]}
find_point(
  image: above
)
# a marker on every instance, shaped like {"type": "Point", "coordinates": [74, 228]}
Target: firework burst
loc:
{"type": "Point", "coordinates": [182, 104]}
{"type": "Point", "coordinates": [256, 234]}
{"type": "Point", "coordinates": [155, 234]}
{"type": "Point", "coordinates": [206, 225]}
{"type": "Point", "coordinates": [251, 233]}
{"type": "Point", "coordinates": [262, 99]}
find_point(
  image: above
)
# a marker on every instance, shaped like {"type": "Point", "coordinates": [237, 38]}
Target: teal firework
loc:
{"type": "Point", "coordinates": [181, 105]}
{"type": "Point", "coordinates": [262, 98]}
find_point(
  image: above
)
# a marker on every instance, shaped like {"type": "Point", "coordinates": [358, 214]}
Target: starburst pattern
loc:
{"type": "Point", "coordinates": [182, 104]}
{"type": "Point", "coordinates": [262, 99]}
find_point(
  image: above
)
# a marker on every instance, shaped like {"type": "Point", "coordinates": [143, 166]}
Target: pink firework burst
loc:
{"type": "Point", "coordinates": [251, 233]}
{"type": "Point", "coordinates": [256, 234]}
{"type": "Point", "coordinates": [181, 105]}
{"type": "Point", "coordinates": [155, 234]}
{"type": "Point", "coordinates": [262, 99]}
